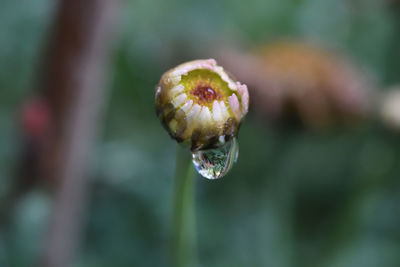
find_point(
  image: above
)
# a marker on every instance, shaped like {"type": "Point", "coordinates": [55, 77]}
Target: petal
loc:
{"type": "Point", "coordinates": [244, 95]}
{"type": "Point", "coordinates": [205, 116]}
{"type": "Point", "coordinates": [176, 90]}
{"type": "Point", "coordinates": [186, 107]}
{"type": "Point", "coordinates": [177, 101]}
{"type": "Point", "coordinates": [193, 113]}
{"type": "Point", "coordinates": [224, 110]}
{"type": "Point", "coordinates": [235, 106]}
{"type": "Point", "coordinates": [183, 69]}
{"type": "Point", "coordinates": [217, 112]}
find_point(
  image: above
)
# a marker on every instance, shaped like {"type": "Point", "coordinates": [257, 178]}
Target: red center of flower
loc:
{"type": "Point", "coordinates": [205, 94]}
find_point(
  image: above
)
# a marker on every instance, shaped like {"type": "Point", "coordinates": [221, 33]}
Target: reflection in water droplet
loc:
{"type": "Point", "coordinates": [215, 163]}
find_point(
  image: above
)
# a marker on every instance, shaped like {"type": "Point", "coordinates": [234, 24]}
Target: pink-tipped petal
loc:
{"type": "Point", "coordinates": [244, 95]}
{"type": "Point", "coordinates": [234, 105]}
{"type": "Point", "coordinates": [193, 65]}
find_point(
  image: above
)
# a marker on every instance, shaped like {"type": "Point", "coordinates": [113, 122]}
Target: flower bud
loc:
{"type": "Point", "coordinates": [199, 104]}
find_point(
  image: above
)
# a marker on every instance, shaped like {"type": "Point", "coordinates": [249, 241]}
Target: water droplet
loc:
{"type": "Point", "coordinates": [215, 163]}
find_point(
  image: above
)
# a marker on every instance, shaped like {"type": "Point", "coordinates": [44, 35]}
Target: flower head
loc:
{"type": "Point", "coordinates": [315, 86]}
{"type": "Point", "coordinates": [323, 87]}
{"type": "Point", "coordinates": [200, 104]}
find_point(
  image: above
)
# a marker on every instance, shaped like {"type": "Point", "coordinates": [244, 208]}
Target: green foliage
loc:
{"type": "Point", "coordinates": [293, 199]}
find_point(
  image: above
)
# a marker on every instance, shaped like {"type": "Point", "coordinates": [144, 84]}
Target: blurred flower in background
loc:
{"type": "Point", "coordinates": [305, 82]}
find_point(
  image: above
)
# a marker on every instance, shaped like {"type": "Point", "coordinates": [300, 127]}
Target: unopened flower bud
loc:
{"type": "Point", "coordinates": [200, 104]}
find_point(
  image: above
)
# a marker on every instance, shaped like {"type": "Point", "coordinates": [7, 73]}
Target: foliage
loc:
{"type": "Point", "coordinates": [293, 199]}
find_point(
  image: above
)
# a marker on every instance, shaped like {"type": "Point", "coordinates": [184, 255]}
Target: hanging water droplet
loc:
{"type": "Point", "coordinates": [215, 163]}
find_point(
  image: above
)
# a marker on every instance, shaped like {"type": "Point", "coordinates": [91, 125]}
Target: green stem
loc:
{"type": "Point", "coordinates": [183, 222]}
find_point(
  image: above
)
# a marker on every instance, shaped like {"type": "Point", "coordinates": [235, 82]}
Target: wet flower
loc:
{"type": "Point", "coordinates": [200, 104]}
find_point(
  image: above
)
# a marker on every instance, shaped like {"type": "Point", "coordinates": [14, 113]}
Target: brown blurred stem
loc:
{"type": "Point", "coordinates": [72, 84]}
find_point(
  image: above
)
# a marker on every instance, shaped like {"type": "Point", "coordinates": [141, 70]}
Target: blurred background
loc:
{"type": "Point", "coordinates": [317, 179]}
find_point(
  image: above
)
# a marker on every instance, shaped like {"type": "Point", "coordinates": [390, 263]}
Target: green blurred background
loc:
{"type": "Point", "coordinates": [294, 198]}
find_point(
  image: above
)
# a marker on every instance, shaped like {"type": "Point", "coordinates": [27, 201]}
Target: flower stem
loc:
{"type": "Point", "coordinates": [183, 233]}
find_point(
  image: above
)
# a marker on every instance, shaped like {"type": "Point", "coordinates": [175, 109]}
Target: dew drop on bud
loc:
{"type": "Point", "coordinates": [215, 163]}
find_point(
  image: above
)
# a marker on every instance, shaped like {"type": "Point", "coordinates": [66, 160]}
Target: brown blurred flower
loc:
{"type": "Point", "coordinates": [298, 80]}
